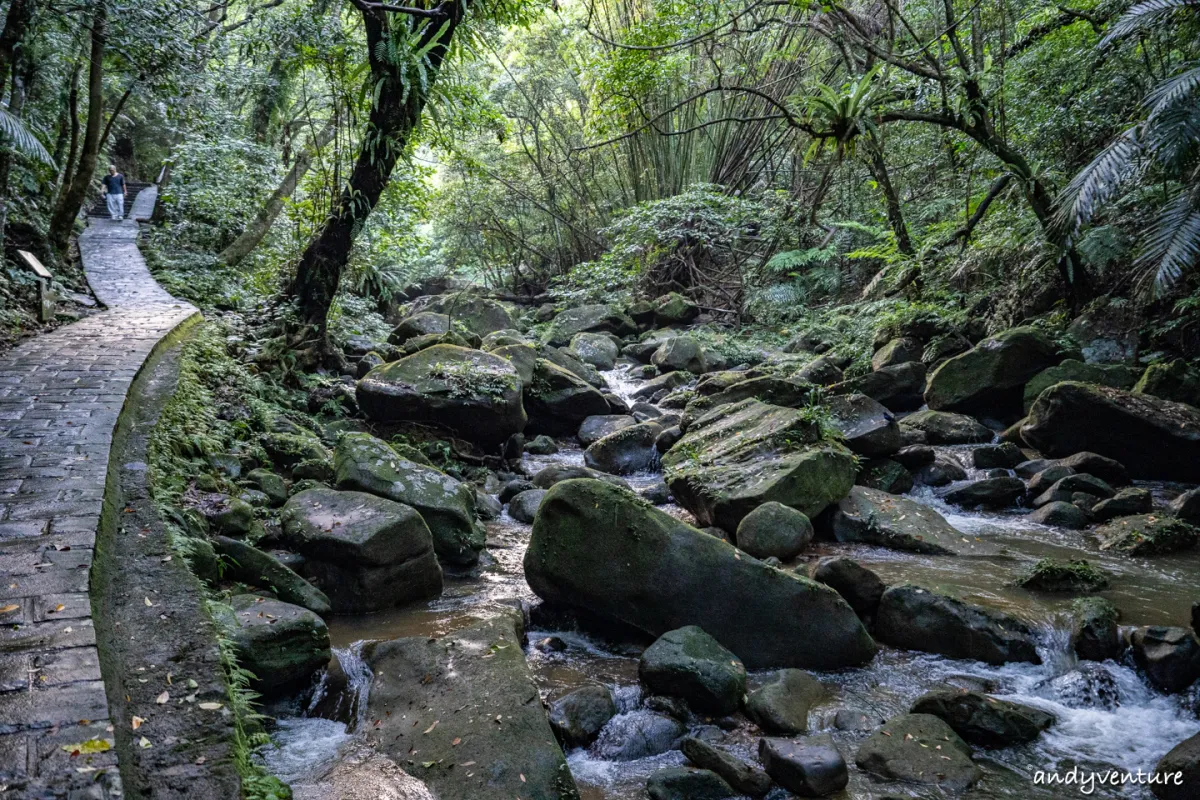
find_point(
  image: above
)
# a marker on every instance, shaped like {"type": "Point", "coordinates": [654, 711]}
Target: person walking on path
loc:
{"type": "Point", "coordinates": [115, 192]}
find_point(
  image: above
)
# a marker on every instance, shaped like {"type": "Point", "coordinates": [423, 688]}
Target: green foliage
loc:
{"type": "Point", "coordinates": [466, 379]}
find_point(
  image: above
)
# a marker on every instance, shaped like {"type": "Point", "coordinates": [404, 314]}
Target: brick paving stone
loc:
{"type": "Point", "coordinates": [60, 396]}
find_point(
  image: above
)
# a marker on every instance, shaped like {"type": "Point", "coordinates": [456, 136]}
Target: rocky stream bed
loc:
{"type": "Point", "coordinates": [1103, 714]}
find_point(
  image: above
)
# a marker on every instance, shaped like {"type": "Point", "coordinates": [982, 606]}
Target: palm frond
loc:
{"type": "Point", "coordinates": [21, 139]}
{"type": "Point", "coordinates": [1173, 135]}
{"type": "Point", "coordinates": [1173, 244]}
{"type": "Point", "coordinates": [1174, 90]}
{"type": "Point", "coordinates": [1099, 181]}
{"type": "Point", "coordinates": [1142, 16]}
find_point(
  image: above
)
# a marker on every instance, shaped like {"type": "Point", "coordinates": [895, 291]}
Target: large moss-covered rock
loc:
{"type": "Point", "coordinates": [479, 315]}
{"type": "Point", "coordinates": [597, 318]}
{"type": "Point", "coordinates": [900, 387]}
{"type": "Point", "coordinates": [674, 309]}
{"type": "Point", "coordinates": [943, 427]}
{"type": "Point", "coordinates": [921, 749]}
{"type": "Point", "coordinates": [416, 325]}
{"type": "Point", "coordinates": [369, 553]}
{"type": "Point", "coordinates": [596, 349]}
{"type": "Point", "coordinates": [464, 711]}
{"type": "Point", "coordinates": [366, 464]}
{"type": "Point", "coordinates": [681, 353]}
{"type": "Point", "coordinates": [280, 643]}
{"type": "Point", "coordinates": [476, 395]}
{"type": "Point", "coordinates": [1177, 381]}
{"type": "Point", "coordinates": [737, 457]}
{"type": "Point", "coordinates": [579, 716]}
{"type": "Point", "coordinates": [990, 377]}
{"type": "Point", "coordinates": [774, 530]}
{"type": "Point", "coordinates": [1117, 376]}
{"type": "Point", "coordinates": [1147, 535]}
{"type": "Point", "coordinates": [595, 428]}
{"type": "Point", "coordinates": [1153, 438]}
{"type": "Point", "coordinates": [913, 618]}
{"type": "Point", "coordinates": [602, 549]}
{"type": "Point", "coordinates": [559, 401]}
{"type": "Point", "coordinates": [900, 350]}
{"type": "Point", "coordinates": [689, 663]}
{"type": "Point", "coordinates": [887, 520]}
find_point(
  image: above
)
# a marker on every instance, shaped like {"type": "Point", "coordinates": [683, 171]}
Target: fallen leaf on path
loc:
{"type": "Point", "coordinates": [162, 698]}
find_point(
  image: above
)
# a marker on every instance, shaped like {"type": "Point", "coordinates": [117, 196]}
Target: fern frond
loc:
{"type": "Point", "coordinates": [1173, 244]}
{"type": "Point", "coordinates": [1098, 181]}
{"type": "Point", "coordinates": [1141, 16]}
{"type": "Point", "coordinates": [1180, 88]}
{"type": "Point", "coordinates": [1173, 136]}
{"type": "Point", "coordinates": [22, 140]}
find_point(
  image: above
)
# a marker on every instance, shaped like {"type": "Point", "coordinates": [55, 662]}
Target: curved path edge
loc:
{"type": "Point", "coordinates": [61, 396]}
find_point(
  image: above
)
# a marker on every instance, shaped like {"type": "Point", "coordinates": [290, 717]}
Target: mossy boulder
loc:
{"type": "Point", "coordinates": [280, 643]}
{"type": "Point", "coordinates": [900, 387]}
{"type": "Point", "coordinates": [774, 530]}
{"type": "Point", "coordinates": [558, 401]}
{"type": "Point", "coordinates": [364, 463]}
{"type": "Point", "coordinates": [689, 663]}
{"type": "Point", "coordinates": [369, 553]}
{"type": "Point", "coordinates": [269, 484]}
{"type": "Point", "coordinates": [420, 682]}
{"type": "Point", "coordinates": [674, 309]}
{"type": "Point", "coordinates": [288, 449]}
{"type": "Point", "coordinates": [1147, 535]}
{"type": "Point", "coordinates": [596, 318]}
{"type": "Point", "coordinates": [602, 549]}
{"type": "Point", "coordinates": [252, 566]}
{"type": "Point", "coordinates": [564, 358]}
{"type": "Point", "coordinates": [990, 378]}
{"type": "Point", "coordinates": [1151, 437]}
{"type": "Point", "coordinates": [596, 349]}
{"type": "Point", "coordinates": [681, 353]}
{"type": "Point", "coordinates": [416, 325]}
{"type": "Point", "coordinates": [766, 388]}
{"type": "Point", "coordinates": [474, 394]}
{"type": "Point", "coordinates": [523, 358]}
{"type": "Point", "coordinates": [1117, 376]}
{"type": "Point", "coordinates": [1177, 381]}
{"type": "Point", "coordinates": [943, 427]}
{"type": "Point", "coordinates": [686, 783]}
{"type": "Point", "coordinates": [886, 475]}
{"type": "Point", "coordinates": [900, 350]}
{"type": "Point", "coordinates": [1178, 772]}
{"type": "Point", "coordinates": [1076, 575]}
{"type": "Point", "coordinates": [737, 457]}
{"type": "Point", "coordinates": [479, 315]}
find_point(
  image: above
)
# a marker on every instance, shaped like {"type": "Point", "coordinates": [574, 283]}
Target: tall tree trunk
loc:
{"type": "Point", "coordinates": [393, 118]}
{"type": "Point", "coordinates": [63, 219]}
{"type": "Point", "coordinates": [16, 25]}
{"type": "Point", "coordinates": [68, 163]}
{"type": "Point", "coordinates": [16, 104]}
{"type": "Point", "coordinates": [895, 213]}
{"type": "Point", "coordinates": [258, 227]}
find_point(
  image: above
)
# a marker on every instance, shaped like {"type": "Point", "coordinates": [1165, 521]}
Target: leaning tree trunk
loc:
{"type": "Point", "coordinates": [393, 118]}
{"type": "Point", "coordinates": [76, 190]}
{"type": "Point", "coordinates": [895, 213]}
{"type": "Point", "coordinates": [258, 227]}
{"type": "Point", "coordinates": [16, 25]}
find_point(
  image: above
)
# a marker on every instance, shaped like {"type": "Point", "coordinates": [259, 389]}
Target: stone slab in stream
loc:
{"type": "Point", "coordinates": [60, 396]}
{"type": "Point", "coordinates": [462, 714]}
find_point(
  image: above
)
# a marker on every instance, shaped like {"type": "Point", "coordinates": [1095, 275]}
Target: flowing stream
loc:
{"type": "Point", "coordinates": [1108, 717]}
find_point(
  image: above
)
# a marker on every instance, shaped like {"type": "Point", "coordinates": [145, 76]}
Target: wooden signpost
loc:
{"type": "Point", "coordinates": [45, 299]}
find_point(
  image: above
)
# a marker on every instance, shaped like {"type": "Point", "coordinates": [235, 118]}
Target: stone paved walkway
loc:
{"type": "Point", "coordinates": [60, 396]}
